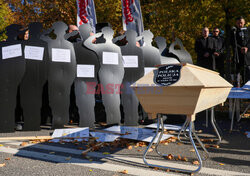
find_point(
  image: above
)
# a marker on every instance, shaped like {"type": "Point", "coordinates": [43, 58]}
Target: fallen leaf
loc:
{"type": "Point", "coordinates": [139, 150]}
{"type": "Point", "coordinates": [221, 164]}
{"type": "Point", "coordinates": [200, 131]}
{"type": "Point", "coordinates": [179, 143]}
{"type": "Point", "coordinates": [179, 157]}
{"type": "Point", "coordinates": [124, 172]}
{"type": "Point", "coordinates": [80, 148]}
{"type": "Point", "coordinates": [166, 143]}
{"type": "Point", "coordinates": [207, 146]}
{"type": "Point", "coordinates": [216, 146]}
{"type": "Point", "coordinates": [68, 158]}
{"type": "Point", "coordinates": [156, 168]}
{"type": "Point", "coordinates": [51, 152]}
{"type": "Point", "coordinates": [170, 157]}
{"type": "Point", "coordinates": [7, 158]}
{"type": "Point", "coordinates": [130, 147]}
{"type": "Point", "coordinates": [184, 159]}
{"type": "Point", "coordinates": [24, 144]}
{"type": "Point", "coordinates": [1, 145]}
{"type": "Point", "coordinates": [84, 153]}
{"type": "Point", "coordinates": [106, 153]}
{"type": "Point", "coordinates": [150, 150]}
{"type": "Point", "coordinates": [171, 132]}
{"type": "Point", "coordinates": [167, 170]}
{"type": "Point", "coordinates": [196, 162]}
{"type": "Point", "coordinates": [90, 170]}
{"type": "Point", "coordinates": [90, 160]}
{"type": "Point", "coordinates": [192, 150]}
{"type": "Point", "coordinates": [2, 165]}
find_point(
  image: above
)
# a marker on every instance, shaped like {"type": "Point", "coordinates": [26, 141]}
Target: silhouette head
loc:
{"type": "Point", "coordinates": [131, 36]}
{"type": "Point", "coordinates": [148, 37]}
{"type": "Point", "coordinates": [12, 30]}
{"type": "Point", "coordinates": [107, 33]}
{"type": "Point", "coordinates": [85, 31]}
{"type": "Point", "coordinates": [35, 29]}
{"type": "Point", "coordinates": [160, 41]}
{"type": "Point", "coordinates": [59, 28]}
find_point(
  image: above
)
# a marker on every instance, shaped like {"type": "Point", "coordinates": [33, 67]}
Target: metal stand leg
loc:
{"type": "Point", "coordinates": [183, 130]}
{"type": "Point", "coordinates": [232, 118]}
{"type": "Point", "coordinates": [191, 132]}
{"type": "Point", "coordinates": [206, 118]}
{"type": "Point", "coordinates": [214, 125]}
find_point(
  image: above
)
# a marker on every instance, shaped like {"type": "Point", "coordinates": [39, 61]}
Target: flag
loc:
{"type": "Point", "coordinates": [86, 13]}
{"type": "Point", "coordinates": [132, 16]}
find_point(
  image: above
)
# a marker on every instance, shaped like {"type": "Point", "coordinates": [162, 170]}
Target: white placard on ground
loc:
{"type": "Point", "coordinates": [148, 69]}
{"type": "Point", "coordinates": [11, 51]}
{"type": "Point", "coordinates": [110, 58]}
{"type": "Point", "coordinates": [85, 71]}
{"type": "Point", "coordinates": [130, 61]}
{"type": "Point", "coordinates": [104, 137]}
{"type": "Point", "coordinates": [166, 126]}
{"type": "Point", "coordinates": [33, 52]}
{"type": "Point", "coordinates": [134, 133]}
{"type": "Point", "coordinates": [246, 86]}
{"type": "Point", "coordinates": [60, 55]}
{"type": "Point", "coordinates": [70, 133]}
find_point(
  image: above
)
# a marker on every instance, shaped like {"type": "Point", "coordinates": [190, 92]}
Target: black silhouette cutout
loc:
{"type": "Point", "coordinates": [110, 74]}
{"type": "Point", "coordinates": [85, 84]}
{"type": "Point", "coordinates": [11, 72]}
{"type": "Point", "coordinates": [132, 74]}
{"type": "Point", "coordinates": [61, 75]}
{"type": "Point", "coordinates": [34, 78]}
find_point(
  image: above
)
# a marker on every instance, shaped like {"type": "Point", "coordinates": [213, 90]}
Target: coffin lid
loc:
{"type": "Point", "coordinates": [191, 76]}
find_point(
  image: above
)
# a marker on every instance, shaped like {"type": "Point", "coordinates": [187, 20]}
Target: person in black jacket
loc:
{"type": "Point", "coordinates": [219, 51]}
{"type": "Point", "coordinates": [241, 48]}
{"type": "Point", "coordinates": [204, 47]}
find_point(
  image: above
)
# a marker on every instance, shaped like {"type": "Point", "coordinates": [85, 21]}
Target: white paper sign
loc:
{"type": "Point", "coordinates": [130, 61]}
{"type": "Point", "coordinates": [86, 71]}
{"type": "Point", "coordinates": [139, 134]}
{"type": "Point", "coordinates": [60, 55]}
{"type": "Point", "coordinates": [148, 69]}
{"type": "Point", "coordinates": [11, 51]}
{"type": "Point", "coordinates": [110, 58]}
{"type": "Point", "coordinates": [33, 52]}
{"type": "Point", "coordinates": [70, 133]}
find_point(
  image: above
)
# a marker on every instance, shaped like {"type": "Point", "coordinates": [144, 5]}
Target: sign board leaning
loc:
{"type": "Point", "coordinates": [167, 75]}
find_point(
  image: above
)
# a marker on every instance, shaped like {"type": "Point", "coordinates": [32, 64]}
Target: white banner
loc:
{"type": "Point", "coordinates": [86, 13]}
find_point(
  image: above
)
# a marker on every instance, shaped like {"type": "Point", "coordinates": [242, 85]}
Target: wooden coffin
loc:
{"type": "Point", "coordinates": [196, 90]}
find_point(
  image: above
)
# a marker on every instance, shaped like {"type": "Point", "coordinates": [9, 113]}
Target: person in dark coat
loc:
{"type": "Point", "coordinates": [219, 51]}
{"type": "Point", "coordinates": [241, 48]}
{"type": "Point", "coordinates": [204, 47]}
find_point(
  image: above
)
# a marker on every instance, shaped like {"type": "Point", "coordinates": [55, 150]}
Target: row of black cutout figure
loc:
{"type": "Point", "coordinates": [60, 63]}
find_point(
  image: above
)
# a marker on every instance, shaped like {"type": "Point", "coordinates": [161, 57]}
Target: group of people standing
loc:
{"type": "Point", "coordinates": [211, 51]}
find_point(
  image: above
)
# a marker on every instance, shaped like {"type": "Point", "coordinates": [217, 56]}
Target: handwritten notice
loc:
{"type": "Point", "coordinates": [130, 61]}
{"type": "Point", "coordinates": [148, 69]}
{"type": "Point", "coordinates": [33, 52]}
{"type": "Point", "coordinates": [60, 55]}
{"type": "Point", "coordinates": [167, 75]}
{"type": "Point", "coordinates": [85, 71]}
{"type": "Point", "coordinates": [11, 51]}
{"type": "Point", "coordinates": [110, 58]}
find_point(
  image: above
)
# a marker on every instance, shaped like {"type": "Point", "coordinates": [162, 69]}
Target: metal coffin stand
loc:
{"type": "Point", "coordinates": [197, 89]}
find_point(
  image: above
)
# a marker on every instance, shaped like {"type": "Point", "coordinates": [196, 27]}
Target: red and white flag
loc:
{"type": "Point", "coordinates": [86, 13]}
{"type": "Point", "coordinates": [132, 16]}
